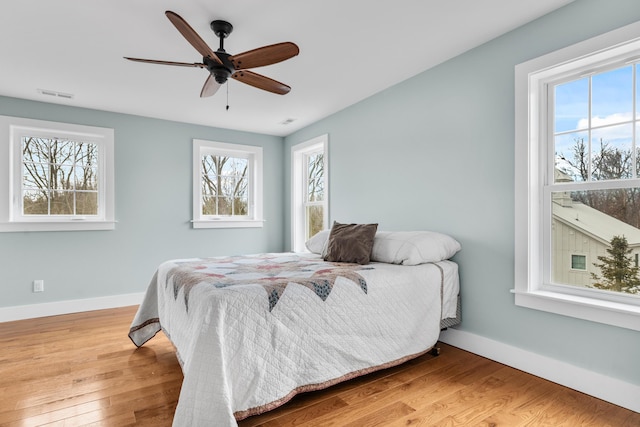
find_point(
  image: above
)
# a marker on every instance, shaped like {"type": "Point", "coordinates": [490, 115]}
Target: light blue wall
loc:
{"type": "Point", "coordinates": [153, 210]}
{"type": "Point", "coordinates": [436, 152]}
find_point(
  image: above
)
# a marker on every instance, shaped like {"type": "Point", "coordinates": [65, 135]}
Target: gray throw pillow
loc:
{"type": "Point", "coordinates": [350, 243]}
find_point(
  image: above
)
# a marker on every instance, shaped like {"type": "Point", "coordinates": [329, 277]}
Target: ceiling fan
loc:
{"type": "Point", "coordinates": [222, 65]}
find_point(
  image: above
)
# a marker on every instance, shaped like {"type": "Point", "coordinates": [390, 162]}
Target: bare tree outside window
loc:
{"type": "Point", "coordinates": [608, 162]}
{"type": "Point", "coordinates": [224, 186]}
{"type": "Point", "coordinates": [59, 177]}
{"type": "Point", "coordinates": [315, 193]}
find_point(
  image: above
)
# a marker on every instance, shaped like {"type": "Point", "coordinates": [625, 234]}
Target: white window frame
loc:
{"type": "Point", "coordinates": [532, 205]}
{"type": "Point", "coordinates": [298, 184]}
{"type": "Point", "coordinates": [254, 156]}
{"type": "Point", "coordinates": [12, 129]}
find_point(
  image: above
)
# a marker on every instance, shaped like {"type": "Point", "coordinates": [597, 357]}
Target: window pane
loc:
{"type": "Point", "coordinates": [35, 150]}
{"type": "Point", "coordinates": [572, 105]}
{"type": "Point", "coordinates": [209, 206]}
{"type": "Point", "coordinates": [572, 157]}
{"type": "Point", "coordinates": [87, 203]}
{"type": "Point", "coordinates": [62, 152]}
{"type": "Point", "coordinates": [314, 220]}
{"type": "Point", "coordinates": [62, 203]}
{"type": "Point", "coordinates": [209, 170]}
{"type": "Point", "coordinates": [315, 177]}
{"type": "Point", "coordinates": [612, 96]}
{"type": "Point", "coordinates": [612, 154]}
{"type": "Point", "coordinates": [61, 177]}
{"type": "Point", "coordinates": [35, 203]}
{"type": "Point", "coordinates": [234, 166]}
{"type": "Point", "coordinates": [592, 223]}
{"type": "Point", "coordinates": [605, 150]}
{"type": "Point", "coordinates": [86, 154]}
{"type": "Point", "coordinates": [237, 180]}
{"type": "Point", "coordinates": [225, 206]}
{"type": "Point", "coordinates": [35, 176]}
{"type": "Point", "coordinates": [86, 178]}
{"type": "Point", "coordinates": [240, 206]}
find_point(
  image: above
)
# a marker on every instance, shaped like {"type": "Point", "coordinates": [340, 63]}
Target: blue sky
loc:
{"type": "Point", "coordinates": [611, 110]}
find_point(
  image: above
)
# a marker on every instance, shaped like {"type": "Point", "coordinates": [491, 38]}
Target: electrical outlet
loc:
{"type": "Point", "coordinates": [38, 286]}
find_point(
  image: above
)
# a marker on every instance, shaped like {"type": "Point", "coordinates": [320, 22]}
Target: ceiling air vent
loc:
{"type": "Point", "coordinates": [55, 93]}
{"type": "Point", "coordinates": [287, 121]}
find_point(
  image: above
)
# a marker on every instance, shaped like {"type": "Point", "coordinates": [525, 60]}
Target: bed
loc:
{"type": "Point", "coordinates": [252, 331]}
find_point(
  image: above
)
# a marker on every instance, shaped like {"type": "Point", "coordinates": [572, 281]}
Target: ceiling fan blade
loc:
{"type": "Point", "coordinates": [261, 82]}
{"type": "Point", "coordinates": [192, 37]}
{"type": "Point", "coordinates": [265, 55]}
{"type": "Point", "coordinates": [210, 87]}
{"type": "Point", "coordinates": [153, 61]}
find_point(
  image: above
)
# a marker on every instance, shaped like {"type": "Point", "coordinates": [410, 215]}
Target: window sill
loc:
{"type": "Point", "coordinates": [595, 310]}
{"type": "Point", "coordinates": [228, 223]}
{"type": "Point", "coordinates": [77, 225]}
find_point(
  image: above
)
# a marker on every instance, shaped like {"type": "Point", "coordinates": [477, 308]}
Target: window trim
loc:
{"type": "Point", "coordinates": [10, 183]}
{"type": "Point", "coordinates": [254, 155]}
{"type": "Point", "coordinates": [297, 189]}
{"type": "Point", "coordinates": [530, 204]}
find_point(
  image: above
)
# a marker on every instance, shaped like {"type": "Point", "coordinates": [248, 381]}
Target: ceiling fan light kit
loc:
{"type": "Point", "coordinates": [222, 65]}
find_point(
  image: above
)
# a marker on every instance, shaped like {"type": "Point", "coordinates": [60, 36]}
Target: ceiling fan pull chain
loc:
{"type": "Point", "coordinates": [227, 96]}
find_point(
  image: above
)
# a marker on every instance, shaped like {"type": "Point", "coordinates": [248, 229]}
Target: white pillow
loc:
{"type": "Point", "coordinates": [413, 247]}
{"type": "Point", "coordinates": [317, 242]}
{"type": "Point", "coordinates": [400, 247]}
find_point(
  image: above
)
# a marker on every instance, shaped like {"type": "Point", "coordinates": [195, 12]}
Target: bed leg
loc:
{"type": "Point", "coordinates": [435, 351]}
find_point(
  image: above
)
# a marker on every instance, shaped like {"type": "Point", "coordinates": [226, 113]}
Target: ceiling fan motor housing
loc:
{"type": "Point", "coordinates": [220, 72]}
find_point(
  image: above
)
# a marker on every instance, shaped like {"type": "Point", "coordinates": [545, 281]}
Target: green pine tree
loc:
{"type": "Point", "coordinates": [619, 273]}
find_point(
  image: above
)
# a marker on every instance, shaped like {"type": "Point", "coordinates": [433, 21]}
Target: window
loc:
{"type": "Point", "coordinates": [227, 185]}
{"type": "Point", "coordinates": [309, 190]}
{"type": "Point", "coordinates": [578, 180]}
{"type": "Point", "coordinates": [578, 262]}
{"type": "Point", "coordinates": [61, 176]}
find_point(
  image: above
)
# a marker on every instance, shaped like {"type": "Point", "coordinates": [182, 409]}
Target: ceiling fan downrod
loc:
{"type": "Point", "coordinates": [221, 73]}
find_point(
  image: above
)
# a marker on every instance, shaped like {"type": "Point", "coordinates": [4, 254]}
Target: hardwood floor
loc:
{"type": "Point", "coordinates": [82, 369]}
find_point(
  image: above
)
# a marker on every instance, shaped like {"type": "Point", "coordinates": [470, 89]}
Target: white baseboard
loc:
{"type": "Point", "coordinates": [8, 314]}
{"type": "Point", "coordinates": [610, 389]}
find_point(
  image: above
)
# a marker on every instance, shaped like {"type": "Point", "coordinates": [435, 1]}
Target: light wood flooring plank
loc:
{"type": "Point", "coordinates": [81, 369]}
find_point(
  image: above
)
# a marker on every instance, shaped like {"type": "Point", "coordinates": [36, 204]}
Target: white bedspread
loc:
{"type": "Point", "coordinates": [242, 355]}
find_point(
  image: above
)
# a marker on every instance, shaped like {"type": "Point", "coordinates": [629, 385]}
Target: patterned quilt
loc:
{"type": "Point", "coordinates": [251, 332]}
{"type": "Point", "coordinates": [272, 272]}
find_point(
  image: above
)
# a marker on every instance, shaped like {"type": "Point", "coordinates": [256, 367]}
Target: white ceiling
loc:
{"type": "Point", "coordinates": [349, 50]}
